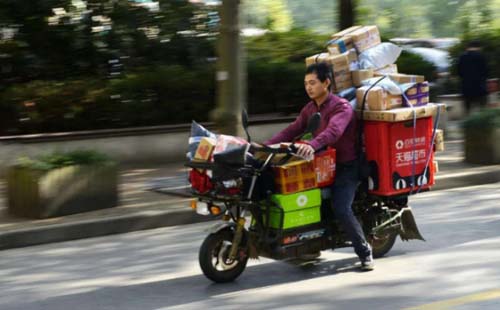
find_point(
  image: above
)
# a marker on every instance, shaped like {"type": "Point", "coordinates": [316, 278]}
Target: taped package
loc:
{"type": "Point", "coordinates": [358, 76]}
{"type": "Point", "coordinates": [339, 43]}
{"type": "Point", "coordinates": [439, 141]}
{"type": "Point", "coordinates": [378, 99]}
{"type": "Point", "coordinates": [401, 78]}
{"type": "Point", "coordinates": [364, 38]}
{"type": "Point", "coordinates": [416, 94]}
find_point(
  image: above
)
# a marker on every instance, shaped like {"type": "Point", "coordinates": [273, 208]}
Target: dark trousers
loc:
{"type": "Point", "coordinates": [471, 101]}
{"type": "Point", "coordinates": [343, 192]}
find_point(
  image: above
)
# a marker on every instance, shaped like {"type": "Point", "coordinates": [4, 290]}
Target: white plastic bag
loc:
{"type": "Point", "coordinates": [379, 56]}
{"type": "Point", "coordinates": [197, 132]}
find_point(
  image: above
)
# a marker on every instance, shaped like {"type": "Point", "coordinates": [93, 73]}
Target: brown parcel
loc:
{"type": "Point", "coordinates": [403, 114]}
{"type": "Point", "coordinates": [378, 99]}
{"type": "Point", "coordinates": [335, 47]}
{"type": "Point", "coordinates": [358, 76]}
{"type": "Point", "coordinates": [365, 38]}
{"type": "Point", "coordinates": [342, 33]}
{"type": "Point", "coordinates": [439, 140]}
{"type": "Point", "coordinates": [401, 78]}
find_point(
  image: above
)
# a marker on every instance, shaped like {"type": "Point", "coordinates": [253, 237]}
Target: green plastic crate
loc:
{"type": "Point", "coordinates": [302, 208]}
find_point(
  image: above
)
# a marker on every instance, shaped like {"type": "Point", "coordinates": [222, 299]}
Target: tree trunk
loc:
{"type": "Point", "coordinates": [230, 71]}
{"type": "Point", "coordinates": [347, 13]}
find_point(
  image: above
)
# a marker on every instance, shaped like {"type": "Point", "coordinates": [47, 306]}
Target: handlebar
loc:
{"type": "Point", "coordinates": [289, 150]}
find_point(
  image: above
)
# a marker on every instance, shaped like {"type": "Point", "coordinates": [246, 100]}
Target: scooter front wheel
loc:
{"type": "Point", "coordinates": [214, 258]}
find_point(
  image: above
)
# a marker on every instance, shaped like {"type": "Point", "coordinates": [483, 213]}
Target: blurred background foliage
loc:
{"type": "Point", "coordinates": [76, 65]}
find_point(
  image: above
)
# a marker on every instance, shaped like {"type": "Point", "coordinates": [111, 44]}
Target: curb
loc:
{"type": "Point", "coordinates": [156, 219]}
{"type": "Point", "coordinates": [96, 228]}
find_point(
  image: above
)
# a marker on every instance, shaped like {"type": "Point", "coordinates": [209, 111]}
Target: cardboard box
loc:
{"type": "Point", "coordinates": [352, 56]}
{"type": "Point", "coordinates": [401, 78]}
{"type": "Point", "coordinates": [389, 69]}
{"type": "Point", "coordinates": [418, 89]}
{"type": "Point", "coordinates": [439, 141]}
{"type": "Point", "coordinates": [338, 62]}
{"type": "Point", "coordinates": [322, 57]}
{"type": "Point", "coordinates": [403, 114]}
{"type": "Point", "coordinates": [359, 75]}
{"type": "Point", "coordinates": [417, 101]}
{"type": "Point", "coordinates": [417, 95]}
{"type": "Point", "coordinates": [340, 86]}
{"type": "Point", "coordinates": [205, 149]}
{"type": "Point", "coordinates": [378, 99]}
{"type": "Point", "coordinates": [364, 38]}
{"type": "Point", "coordinates": [340, 46]}
{"type": "Point", "coordinates": [342, 33]}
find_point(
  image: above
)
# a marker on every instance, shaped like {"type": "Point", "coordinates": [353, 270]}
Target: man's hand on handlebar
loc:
{"type": "Point", "coordinates": [305, 151]}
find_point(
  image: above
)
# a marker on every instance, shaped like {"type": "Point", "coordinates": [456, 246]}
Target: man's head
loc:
{"type": "Point", "coordinates": [317, 81]}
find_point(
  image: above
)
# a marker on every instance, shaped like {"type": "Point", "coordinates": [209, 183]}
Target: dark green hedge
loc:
{"type": "Point", "coordinates": [414, 64]}
{"type": "Point", "coordinates": [169, 94]}
{"type": "Point", "coordinates": [56, 160]}
{"type": "Point", "coordinates": [483, 120]}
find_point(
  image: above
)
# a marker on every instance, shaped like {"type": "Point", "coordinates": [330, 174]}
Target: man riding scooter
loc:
{"type": "Point", "coordinates": [338, 129]}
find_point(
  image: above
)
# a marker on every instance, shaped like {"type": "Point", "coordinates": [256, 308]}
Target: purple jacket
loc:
{"type": "Point", "coordinates": [337, 128]}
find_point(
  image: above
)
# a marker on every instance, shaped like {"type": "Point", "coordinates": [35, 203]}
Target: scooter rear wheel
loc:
{"type": "Point", "coordinates": [214, 260]}
{"type": "Point", "coordinates": [382, 243]}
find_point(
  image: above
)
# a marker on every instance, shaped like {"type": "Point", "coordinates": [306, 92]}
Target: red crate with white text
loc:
{"type": "Point", "coordinates": [397, 153]}
{"type": "Point", "coordinates": [324, 166]}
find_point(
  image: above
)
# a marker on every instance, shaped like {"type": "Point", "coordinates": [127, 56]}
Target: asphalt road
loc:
{"type": "Point", "coordinates": [457, 268]}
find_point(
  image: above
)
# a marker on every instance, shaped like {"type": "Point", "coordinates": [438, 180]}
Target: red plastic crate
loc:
{"type": "Point", "coordinates": [324, 166]}
{"type": "Point", "coordinates": [389, 151]}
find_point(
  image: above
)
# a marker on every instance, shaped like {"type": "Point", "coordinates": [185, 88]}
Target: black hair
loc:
{"type": "Point", "coordinates": [322, 70]}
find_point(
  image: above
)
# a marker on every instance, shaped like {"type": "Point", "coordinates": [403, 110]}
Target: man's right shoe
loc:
{"type": "Point", "coordinates": [367, 263]}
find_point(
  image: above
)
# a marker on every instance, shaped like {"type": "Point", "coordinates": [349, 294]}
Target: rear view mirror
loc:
{"type": "Point", "coordinates": [244, 122]}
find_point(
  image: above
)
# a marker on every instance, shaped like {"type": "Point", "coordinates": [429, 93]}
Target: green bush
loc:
{"type": "Point", "coordinates": [63, 159]}
{"type": "Point", "coordinates": [285, 47]}
{"type": "Point", "coordinates": [414, 64]}
{"type": "Point", "coordinates": [275, 87]}
{"type": "Point", "coordinates": [485, 119]}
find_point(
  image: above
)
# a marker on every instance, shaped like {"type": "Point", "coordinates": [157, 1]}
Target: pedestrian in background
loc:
{"type": "Point", "coordinates": [473, 71]}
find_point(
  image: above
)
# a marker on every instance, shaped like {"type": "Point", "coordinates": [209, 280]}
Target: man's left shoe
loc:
{"type": "Point", "coordinates": [367, 263]}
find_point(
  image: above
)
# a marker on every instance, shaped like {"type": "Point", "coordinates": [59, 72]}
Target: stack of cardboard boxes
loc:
{"type": "Point", "coordinates": [343, 50]}
{"type": "Point", "coordinates": [398, 117]}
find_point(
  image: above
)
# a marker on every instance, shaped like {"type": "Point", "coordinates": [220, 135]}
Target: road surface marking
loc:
{"type": "Point", "coordinates": [450, 303]}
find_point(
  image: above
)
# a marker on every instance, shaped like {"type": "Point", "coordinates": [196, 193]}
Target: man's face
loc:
{"type": "Point", "coordinates": [314, 87]}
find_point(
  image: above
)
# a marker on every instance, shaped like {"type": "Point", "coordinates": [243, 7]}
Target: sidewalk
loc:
{"type": "Point", "coordinates": [140, 209]}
